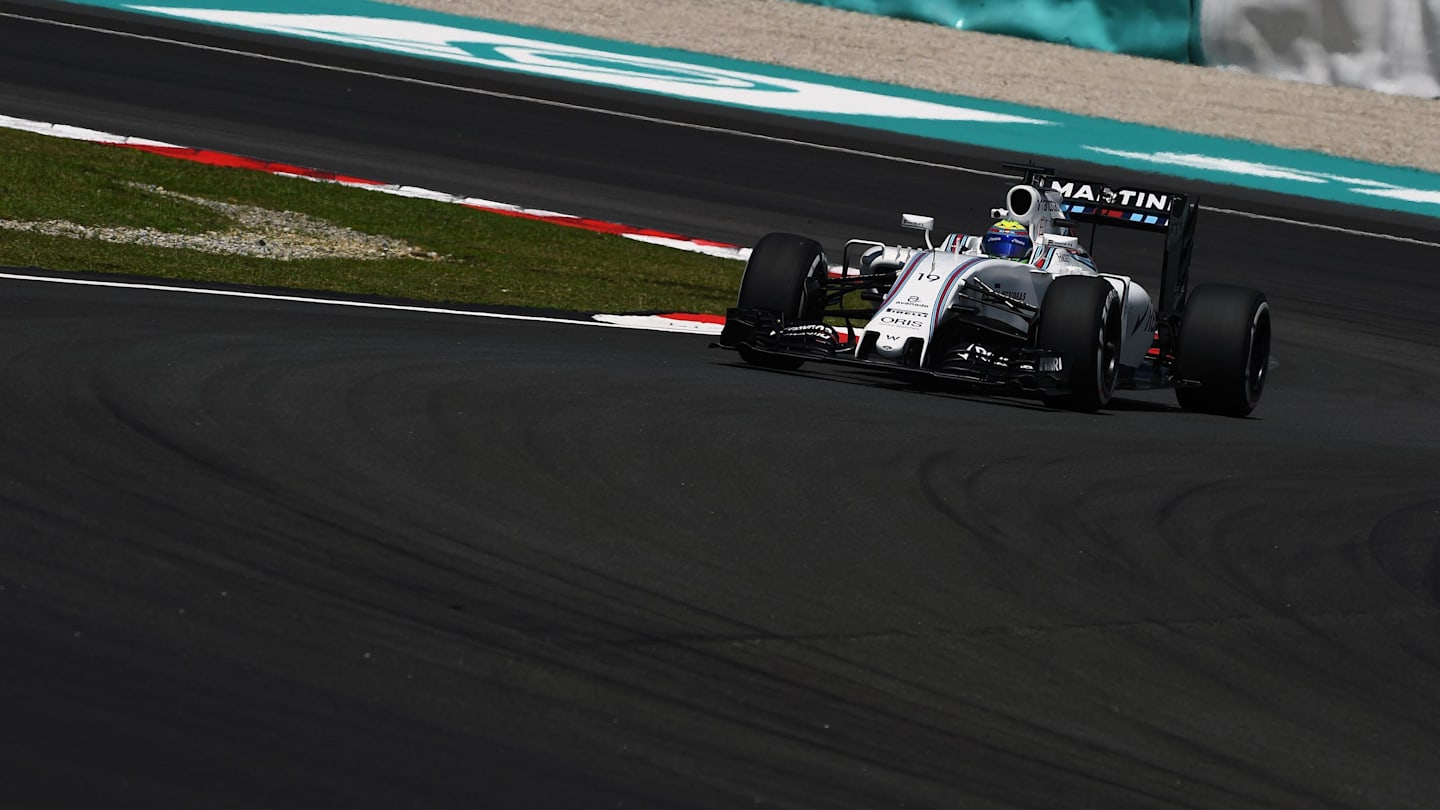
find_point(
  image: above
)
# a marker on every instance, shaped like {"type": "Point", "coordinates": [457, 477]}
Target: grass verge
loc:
{"type": "Point", "coordinates": [478, 257]}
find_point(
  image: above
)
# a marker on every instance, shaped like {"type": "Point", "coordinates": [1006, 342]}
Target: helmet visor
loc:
{"type": "Point", "coordinates": [1007, 246]}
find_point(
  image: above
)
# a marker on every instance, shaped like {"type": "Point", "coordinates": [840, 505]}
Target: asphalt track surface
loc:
{"type": "Point", "coordinates": [270, 554]}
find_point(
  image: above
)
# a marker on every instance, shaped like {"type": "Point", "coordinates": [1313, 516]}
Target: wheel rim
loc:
{"type": "Point", "coordinates": [1107, 359]}
{"type": "Point", "coordinates": [1257, 364]}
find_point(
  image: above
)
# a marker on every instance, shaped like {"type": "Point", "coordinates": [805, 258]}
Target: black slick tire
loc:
{"type": "Point", "coordinates": [1080, 320]}
{"type": "Point", "coordinates": [783, 276]}
{"type": "Point", "coordinates": [1225, 347]}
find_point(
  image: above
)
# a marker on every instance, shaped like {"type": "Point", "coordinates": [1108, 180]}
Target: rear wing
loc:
{"type": "Point", "coordinates": [1094, 203]}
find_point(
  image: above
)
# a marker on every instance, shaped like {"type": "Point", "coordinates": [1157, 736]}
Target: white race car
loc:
{"type": "Point", "coordinates": [1047, 322]}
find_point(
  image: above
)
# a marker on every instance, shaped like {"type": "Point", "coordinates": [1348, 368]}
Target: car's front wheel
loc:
{"type": "Point", "coordinates": [783, 276]}
{"type": "Point", "coordinates": [1080, 320]}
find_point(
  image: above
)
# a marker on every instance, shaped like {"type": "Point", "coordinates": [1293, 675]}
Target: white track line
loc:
{"type": "Point", "coordinates": [513, 97]}
{"type": "Point", "coordinates": [653, 326]}
{"type": "Point", "coordinates": [1389, 237]}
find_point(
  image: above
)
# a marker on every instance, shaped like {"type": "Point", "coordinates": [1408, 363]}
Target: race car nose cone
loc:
{"type": "Point", "coordinates": [890, 351]}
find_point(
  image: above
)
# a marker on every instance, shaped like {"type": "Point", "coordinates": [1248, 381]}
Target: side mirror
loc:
{"type": "Point", "coordinates": [916, 222]}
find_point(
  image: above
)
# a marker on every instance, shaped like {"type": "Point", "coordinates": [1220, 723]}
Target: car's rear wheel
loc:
{"type": "Point", "coordinates": [1080, 320]}
{"type": "Point", "coordinates": [1224, 346]}
{"type": "Point", "coordinates": [783, 276]}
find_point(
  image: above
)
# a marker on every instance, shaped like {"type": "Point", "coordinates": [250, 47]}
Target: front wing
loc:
{"type": "Point", "coordinates": [755, 332]}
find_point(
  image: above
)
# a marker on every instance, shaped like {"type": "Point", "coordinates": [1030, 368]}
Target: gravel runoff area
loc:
{"type": "Point", "coordinates": [1366, 125]}
{"type": "Point", "coordinates": [281, 235]}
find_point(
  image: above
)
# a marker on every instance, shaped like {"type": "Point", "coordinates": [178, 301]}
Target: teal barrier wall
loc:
{"type": "Point", "coordinates": [1162, 29]}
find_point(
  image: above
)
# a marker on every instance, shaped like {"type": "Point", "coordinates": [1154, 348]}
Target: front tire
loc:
{"type": "Point", "coordinates": [1080, 320]}
{"type": "Point", "coordinates": [783, 276]}
{"type": "Point", "coordinates": [1225, 347]}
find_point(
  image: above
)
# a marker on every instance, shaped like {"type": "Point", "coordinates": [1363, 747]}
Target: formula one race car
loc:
{"type": "Point", "coordinates": [1043, 321]}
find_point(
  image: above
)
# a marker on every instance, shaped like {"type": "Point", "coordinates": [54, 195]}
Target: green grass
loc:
{"type": "Point", "coordinates": [486, 258]}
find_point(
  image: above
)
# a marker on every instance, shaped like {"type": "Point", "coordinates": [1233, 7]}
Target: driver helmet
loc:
{"type": "Point", "coordinates": [1007, 239]}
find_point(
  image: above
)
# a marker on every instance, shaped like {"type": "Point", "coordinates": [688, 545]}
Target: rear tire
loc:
{"type": "Point", "coordinates": [1080, 319]}
{"type": "Point", "coordinates": [783, 276]}
{"type": "Point", "coordinates": [1225, 347]}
